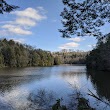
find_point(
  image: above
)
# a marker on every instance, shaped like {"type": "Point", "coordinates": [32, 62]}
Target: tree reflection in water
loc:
{"type": "Point", "coordinates": [101, 81]}
{"type": "Point", "coordinates": [46, 99]}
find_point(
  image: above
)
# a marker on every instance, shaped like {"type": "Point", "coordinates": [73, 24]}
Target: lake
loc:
{"type": "Point", "coordinates": [37, 87]}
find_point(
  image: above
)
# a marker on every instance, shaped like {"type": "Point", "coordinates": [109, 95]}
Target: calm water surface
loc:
{"type": "Point", "coordinates": [18, 85]}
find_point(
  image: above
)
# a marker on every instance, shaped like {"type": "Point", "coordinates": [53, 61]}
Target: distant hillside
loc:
{"type": "Point", "coordinates": [71, 57]}
{"type": "Point", "coordinates": [13, 54]}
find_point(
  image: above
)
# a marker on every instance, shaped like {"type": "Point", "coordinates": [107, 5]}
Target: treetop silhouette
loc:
{"type": "Point", "coordinates": [84, 18]}
{"type": "Point", "coordinates": [5, 7]}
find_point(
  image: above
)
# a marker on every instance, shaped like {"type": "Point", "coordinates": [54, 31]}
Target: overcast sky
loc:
{"type": "Point", "coordinates": [36, 23]}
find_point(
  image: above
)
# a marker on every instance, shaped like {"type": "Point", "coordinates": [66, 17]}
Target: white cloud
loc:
{"type": "Point", "coordinates": [16, 30]}
{"type": "Point", "coordinates": [75, 42]}
{"type": "Point", "coordinates": [25, 22]}
{"type": "Point", "coordinates": [25, 19]}
{"type": "Point", "coordinates": [30, 13]}
{"type": "Point", "coordinates": [76, 39]}
{"type": "Point", "coordinates": [40, 8]}
{"type": "Point", "coordinates": [70, 45]}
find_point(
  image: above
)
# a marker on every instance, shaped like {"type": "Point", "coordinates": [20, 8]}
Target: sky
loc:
{"type": "Point", "coordinates": [36, 23]}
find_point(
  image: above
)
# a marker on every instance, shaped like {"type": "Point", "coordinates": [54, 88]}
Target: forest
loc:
{"type": "Point", "coordinates": [89, 18]}
{"type": "Point", "coordinates": [71, 56]}
{"type": "Point", "coordinates": [74, 17]}
{"type": "Point", "coordinates": [47, 88]}
{"type": "Point", "coordinates": [99, 58]}
{"type": "Point", "coordinates": [13, 54]}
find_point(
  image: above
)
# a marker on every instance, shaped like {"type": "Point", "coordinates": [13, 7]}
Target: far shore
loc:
{"type": "Point", "coordinates": [75, 64]}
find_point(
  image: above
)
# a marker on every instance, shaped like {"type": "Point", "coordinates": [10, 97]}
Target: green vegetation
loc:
{"type": "Point", "coordinates": [46, 100]}
{"type": "Point", "coordinates": [57, 60]}
{"type": "Point", "coordinates": [83, 18]}
{"type": "Point", "coordinates": [13, 54]}
{"type": "Point", "coordinates": [99, 58]}
{"type": "Point", "coordinates": [57, 106]}
{"type": "Point", "coordinates": [83, 104]}
{"type": "Point", "coordinates": [70, 57]}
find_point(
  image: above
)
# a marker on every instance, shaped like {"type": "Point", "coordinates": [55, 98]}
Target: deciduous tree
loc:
{"type": "Point", "coordinates": [84, 18]}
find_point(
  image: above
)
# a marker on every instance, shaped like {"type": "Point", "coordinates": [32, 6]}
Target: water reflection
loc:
{"type": "Point", "coordinates": [17, 85]}
{"type": "Point", "coordinates": [10, 79]}
{"type": "Point", "coordinates": [74, 78]}
{"type": "Point", "coordinates": [101, 81]}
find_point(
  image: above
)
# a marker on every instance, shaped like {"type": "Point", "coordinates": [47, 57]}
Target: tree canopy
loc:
{"type": "Point", "coordinates": [5, 7]}
{"type": "Point", "coordinates": [13, 54]}
{"type": "Point", "coordinates": [84, 18]}
{"type": "Point", "coordinates": [70, 57]}
{"type": "Point", "coordinates": [99, 58]}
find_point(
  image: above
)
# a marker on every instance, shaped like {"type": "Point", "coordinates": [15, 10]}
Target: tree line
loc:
{"type": "Point", "coordinates": [99, 58]}
{"type": "Point", "coordinates": [70, 57]}
{"type": "Point", "coordinates": [13, 54]}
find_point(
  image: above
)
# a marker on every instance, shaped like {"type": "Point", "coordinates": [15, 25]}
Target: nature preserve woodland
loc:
{"type": "Point", "coordinates": [54, 58]}
{"type": "Point", "coordinates": [13, 54]}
